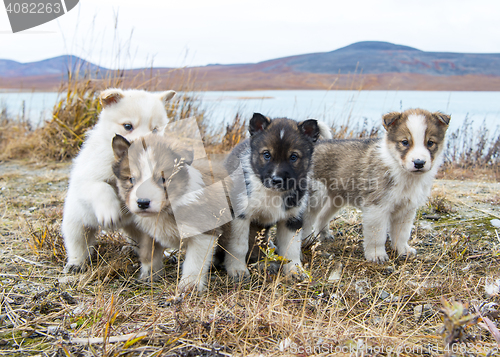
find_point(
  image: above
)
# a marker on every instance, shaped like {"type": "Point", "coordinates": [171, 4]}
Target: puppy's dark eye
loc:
{"type": "Point", "coordinates": [294, 157]}
{"type": "Point", "coordinates": [405, 143]}
{"type": "Point", "coordinates": [267, 155]}
{"type": "Point", "coordinates": [132, 180]}
{"type": "Point", "coordinates": [128, 127]}
{"type": "Point", "coordinates": [430, 143]}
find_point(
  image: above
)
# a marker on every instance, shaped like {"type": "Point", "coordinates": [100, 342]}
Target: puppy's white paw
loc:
{"type": "Point", "coordinates": [291, 268]}
{"type": "Point", "coordinates": [326, 234]}
{"type": "Point", "coordinates": [79, 259]}
{"type": "Point", "coordinates": [148, 275]}
{"type": "Point", "coordinates": [191, 282]}
{"type": "Point", "coordinates": [379, 256]}
{"type": "Point", "coordinates": [73, 268]}
{"type": "Point", "coordinates": [296, 271]}
{"type": "Point", "coordinates": [107, 212]}
{"type": "Point", "coordinates": [406, 250]}
{"type": "Point", "coordinates": [237, 271]}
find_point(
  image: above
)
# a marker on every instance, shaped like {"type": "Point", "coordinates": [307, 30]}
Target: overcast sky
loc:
{"type": "Point", "coordinates": [200, 32]}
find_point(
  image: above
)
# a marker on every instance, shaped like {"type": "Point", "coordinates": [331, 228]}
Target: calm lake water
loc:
{"type": "Point", "coordinates": [333, 107]}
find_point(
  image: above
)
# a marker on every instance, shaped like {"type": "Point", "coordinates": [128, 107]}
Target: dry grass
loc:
{"type": "Point", "coordinates": [347, 304]}
{"type": "Point", "coordinates": [358, 131]}
{"type": "Point", "coordinates": [60, 138]}
{"type": "Point", "coordinates": [472, 153]}
{"type": "Point", "coordinates": [440, 204]}
{"type": "Point", "coordinates": [234, 133]}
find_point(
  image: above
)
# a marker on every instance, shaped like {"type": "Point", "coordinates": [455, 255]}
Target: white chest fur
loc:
{"type": "Point", "coordinates": [268, 206]}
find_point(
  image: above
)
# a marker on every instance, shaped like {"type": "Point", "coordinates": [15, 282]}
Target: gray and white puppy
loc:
{"type": "Point", "coordinates": [168, 200]}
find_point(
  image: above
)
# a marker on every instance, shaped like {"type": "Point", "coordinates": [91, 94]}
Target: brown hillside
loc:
{"type": "Point", "coordinates": [242, 77]}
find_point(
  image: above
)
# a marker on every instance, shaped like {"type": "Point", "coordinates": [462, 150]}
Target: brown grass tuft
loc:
{"type": "Point", "coordinates": [46, 242]}
{"type": "Point", "coordinates": [61, 137]}
{"type": "Point", "coordinates": [234, 133]}
{"type": "Point", "coordinates": [358, 131]}
{"type": "Point", "coordinates": [440, 204]}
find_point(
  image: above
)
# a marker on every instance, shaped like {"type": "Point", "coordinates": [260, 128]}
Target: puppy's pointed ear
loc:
{"type": "Point", "coordinates": [310, 128]}
{"type": "Point", "coordinates": [120, 146]}
{"type": "Point", "coordinates": [325, 132]}
{"type": "Point", "coordinates": [110, 96]}
{"type": "Point", "coordinates": [390, 119]}
{"type": "Point", "coordinates": [258, 123]}
{"type": "Point", "coordinates": [167, 95]}
{"type": "Point", "coordinates": [443, 118]}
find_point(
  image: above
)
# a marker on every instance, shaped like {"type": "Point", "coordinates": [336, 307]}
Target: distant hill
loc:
{"type": "Point", "coordinates": [57, 65]}
{"type": "Point", "coordinates": [383, 57]}
{"type": "Point", "coordinates": [362, 65]}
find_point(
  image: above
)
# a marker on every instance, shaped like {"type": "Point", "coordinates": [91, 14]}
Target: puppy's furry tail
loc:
{"type": "Point", "coordinates": [325, 132]}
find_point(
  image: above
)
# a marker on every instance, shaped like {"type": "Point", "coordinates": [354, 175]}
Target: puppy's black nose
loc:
{"type": "Point", "coordinates": [277, 181]}
{"type": "Point", "coordinates": [419, 164]}
{"type": "Point", "coordinates": [143, 203]}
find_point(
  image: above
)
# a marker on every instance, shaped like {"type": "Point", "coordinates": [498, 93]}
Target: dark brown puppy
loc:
{"type": "Point", "coordinates": [275, 162]}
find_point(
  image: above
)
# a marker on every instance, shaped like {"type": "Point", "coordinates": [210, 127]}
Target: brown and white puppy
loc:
{"type": "Point", "coordinates": [275, 162]}
{"type": "Point", "coordinates": [387, 178]}
{"type": "Point", "coordinates": [169, 201]}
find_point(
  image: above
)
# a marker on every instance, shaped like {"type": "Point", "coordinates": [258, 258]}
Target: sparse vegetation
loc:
{"type": "Point", "coordinates": [473, 154]}
{"type": "Point", "coordinates": [439, 204]}
{"type": "Point", "coordinates": [76, 112]}
{"type": "Point", "coordinates": [363, 306]}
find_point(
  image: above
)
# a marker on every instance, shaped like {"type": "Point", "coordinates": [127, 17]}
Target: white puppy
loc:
{"type": "Point", "coordinates": [92, 199]}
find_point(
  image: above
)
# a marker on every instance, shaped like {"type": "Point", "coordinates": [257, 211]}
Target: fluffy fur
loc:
{"type": "Point", "coordinates": [92, 201]}
{"type": "Point", "coordinates": [388, 179]}
{"type": "Point", "coordinates": [275, 162]}
{"type": "Point", "coordinates": [159, 186]}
